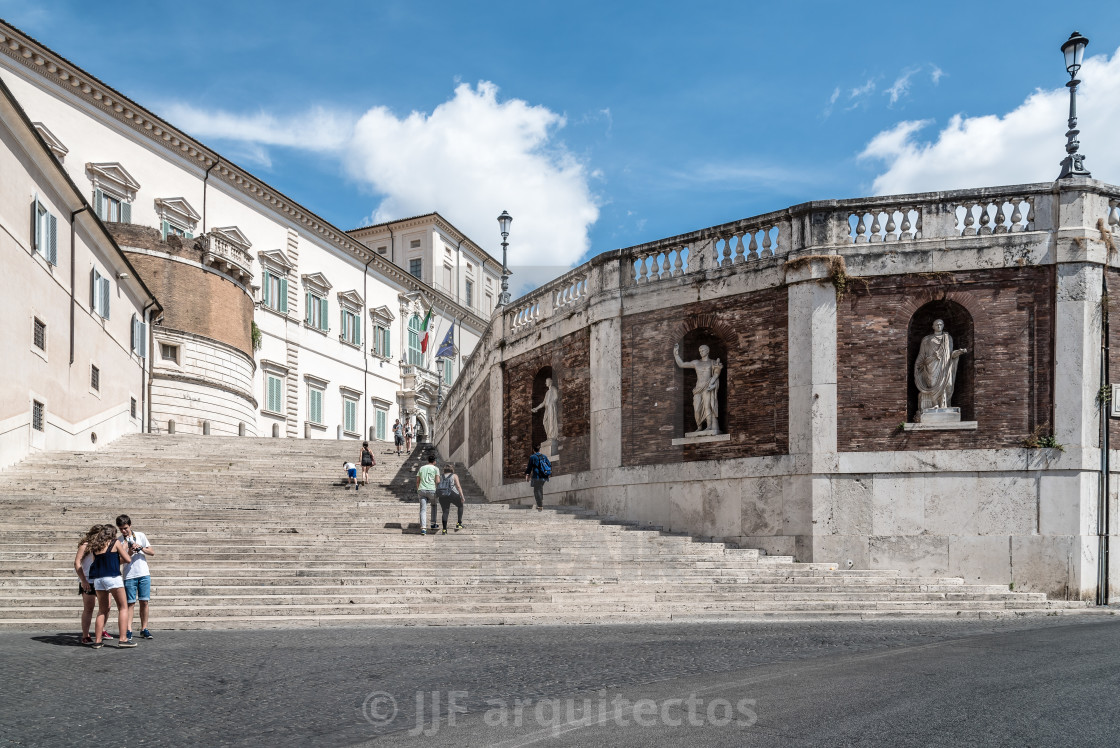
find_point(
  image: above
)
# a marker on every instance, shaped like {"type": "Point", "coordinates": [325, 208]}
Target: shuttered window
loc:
{"type": "Point", "coordinates": [38, 416]}
{"type": "Point", "coordinates": [415, 356]}
{"type": "Point", "coordinates": [315, 405]}
{"type": "Point", "coordinates": [139, 337]}
{"type": "Point", "coordinates": [316, 312]}
{"type": "Point", "coordinates": [275, 394]}
{"type": "Point", "coordinates": [350, 408]}
{"type": "Point", "coordinates": [382, 417]}
{"type": "Point", "coordinates": [381, 341]}
{"type": "Point", "coordinates": [99, 293]}
{"type": "Point", "coordinates": [44, 232]}
{"type": "Point", "coordinates": [111, 209]}
{"type": "Point", "coordinates": [351, 327]}
{"type": "Point", "coordinates": [274, 292]}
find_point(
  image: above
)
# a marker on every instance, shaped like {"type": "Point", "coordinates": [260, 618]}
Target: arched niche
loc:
{"type": "Point", "coordinates": [958, 323]}
{"type": "Point", "coordinates": [540, 389]}
{"type": "Point", "coordinates": [686, 378]}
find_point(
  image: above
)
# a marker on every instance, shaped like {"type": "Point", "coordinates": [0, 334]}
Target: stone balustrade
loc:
{"type": "Point", "coordinates": [228, 258]}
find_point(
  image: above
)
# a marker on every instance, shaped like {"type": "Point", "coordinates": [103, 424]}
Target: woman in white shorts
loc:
{"type": "Point", "coordinates": [82, 562]}
{"type": "Point", "coordinates": [105, 573]}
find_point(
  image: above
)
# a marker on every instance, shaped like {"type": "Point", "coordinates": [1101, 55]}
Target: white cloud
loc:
{"type": "Point", "coordinates": [936, 75]}
{"type": "Point", "coordinates": [901, 85]}
{"type": "Point", "coordinates": [1023, 145]}
{"type": "Point", "coordinates": [864, 90]}
{"type": "Point", "coordinates": [831, 101]}
{"type": "Point", "coordinates": [469, 158]}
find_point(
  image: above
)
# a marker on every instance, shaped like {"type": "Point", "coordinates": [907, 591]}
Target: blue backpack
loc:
{"type": "Point", "coordinates": [543, 466]}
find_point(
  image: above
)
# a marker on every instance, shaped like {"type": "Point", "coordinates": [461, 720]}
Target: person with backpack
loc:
{"type": "Point", "coordinates": [398, 436]}
{"type": "Point", "coordinates": [365, 458]}
{"type": "Point", "coordinates": [537, 473]}
{"type": "Point", "coordinates": [426, 478]}
{"type": "Point", "coordinates": [448, 492]}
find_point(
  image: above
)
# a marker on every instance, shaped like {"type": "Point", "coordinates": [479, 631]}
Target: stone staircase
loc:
{"type": "Point", "coordinates": [260, 533]}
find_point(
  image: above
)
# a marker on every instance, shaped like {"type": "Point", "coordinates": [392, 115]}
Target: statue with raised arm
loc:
{"type": "Point", "coordinates": [705, 395]}
{"type": "Point", "coordinates": [935, 370]}
{"type": "Point", "coordinates": [551, 419]}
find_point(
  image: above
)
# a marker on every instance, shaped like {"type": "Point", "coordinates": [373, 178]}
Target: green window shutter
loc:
{"type": "Point", "coordinates": [133, 335]}
{"type": "Point", "coordinates": [126, 212]}
{"type": "Point", "coordinates": [94, 288]}
{"type": "Point", "coordinates": [164, 228]}
{"type": "Point", "coordinates": [381, 425]}
{"type": "Point", "coordinates": [265, 285]}
{"type": "Point", "coordinates": [357, 330]}
{"type": "Point", "coordinates": [52, 240]}
{"type": "Point", "coordinates": [387, 350]}
{"type": "Point", "coordinates": [35, 225]}
{"type": "Point", "coordinates": [307, 305]}
{"type": "Point", "coordinates": [188, 235]}
{"type": "Point", "coordinates": [99, 204]}
{"type": "Point", "coordinates": [284, 295]}
{"type": "Point", "coordinates": [105, 296]}
{"type": "Point", "coordinates": [323, 315]}
{"type": "Point", "coordinates": [143, 340]}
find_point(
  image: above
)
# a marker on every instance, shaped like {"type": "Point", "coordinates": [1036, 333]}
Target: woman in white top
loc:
{"type": "Point", "coordinates": [82, 562]}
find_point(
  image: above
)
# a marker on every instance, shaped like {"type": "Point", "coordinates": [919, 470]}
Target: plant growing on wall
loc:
{"type": "Point", "coordinates": [258, 338]}
{"type": "Point", "coordinates": [1041, 438]}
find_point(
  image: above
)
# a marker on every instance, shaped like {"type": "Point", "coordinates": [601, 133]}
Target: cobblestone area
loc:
{"type": "Point", "coordinates": [313, 688]}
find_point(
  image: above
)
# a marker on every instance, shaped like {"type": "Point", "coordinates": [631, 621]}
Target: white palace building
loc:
{"type": "Point", "coordinates": [159, 286]}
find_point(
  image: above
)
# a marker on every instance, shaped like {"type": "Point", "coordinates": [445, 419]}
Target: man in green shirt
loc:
{"type": "Point", "coordinates": [426, 479]}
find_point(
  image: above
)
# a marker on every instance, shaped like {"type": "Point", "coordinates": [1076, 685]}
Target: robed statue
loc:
{"type": "Point", "coordinates": [705, 395]}
{"type": "Point", "coordinates": [935, 370]}
{"type": "Point", "coordinates": [551, 417]}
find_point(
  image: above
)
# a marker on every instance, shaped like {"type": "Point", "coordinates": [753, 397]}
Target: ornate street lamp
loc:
{"type": "Point", "coordinates": [439, 382]}
{"type": "Point", "coordinates": [1074, 50]}
{"type": "Point", "coordinates": [504, 220]}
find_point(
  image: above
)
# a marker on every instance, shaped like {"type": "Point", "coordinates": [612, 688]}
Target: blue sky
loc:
{"type": "Point", "coordinates": [601, 125]}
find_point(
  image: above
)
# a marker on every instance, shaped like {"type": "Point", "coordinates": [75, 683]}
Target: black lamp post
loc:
{"type": "Point", "coordinates": [1073, 164]}
{"type": "Point", "coordinates": [504, 220]}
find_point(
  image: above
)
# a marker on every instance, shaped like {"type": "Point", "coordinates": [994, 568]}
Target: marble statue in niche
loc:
{"type": "Point", "coordinates": [705, 395]}
{"type": "Point", "coordinates": [551, 417]}
{"type": "Point", "coordinates": [935, 374]}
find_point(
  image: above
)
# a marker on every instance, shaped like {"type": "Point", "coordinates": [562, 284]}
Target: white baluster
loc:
{"type": "Point", "coordinates": [1030, 214]}
{"type": "Point", "coordinates": [875, 227]}
{"type": "Point", "coordinates": [678, 262]}
{"type": "Point", "coordinates": [665, 266]}
{"type": "Point", "coordinates": [1113, 214]}
{"type": "Point", "coordinates": [739, 260]}
{"type": "Point", "coordinates": [861, 229]}
{"type": "Point", "coordinates": [752, 251]}
{"type": "Point", "coordinates": [904, 231]}
{"type": "Point", "coordinates": [890, 236]}
{"type": "Point", "coordinates": [767, 245]}
{"type": "Point", "coordinates": [1016, 215]}
{"type": "Point", "coordinates": [725, 251]}
{"type": "Point", "coordinates": [1001, 218]}
{"type": "Point", "coordinates": [968, 222]}
{"type": "Point", "coordinates": [642, 269]}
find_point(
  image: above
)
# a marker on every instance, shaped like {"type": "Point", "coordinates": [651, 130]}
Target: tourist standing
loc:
{"type": "Point", "coordinates": [105, 573]}
{"type": "Point", "coordinates": [408, 437]}
{"type": "Point", "coordinates": [450, 491]}
{"type": "Point", "coordinates": [538, 471]}
{"type": "Point", "coordinates": [82, 563]}
{"type": "Point", "coordinates": [365, 458]}
{"type": "Point", "coordinates": [426, 478]}
{"type": "Point", "coordinates": [398, 436]}
{"type": "Point", "coordinates": [137, 577]}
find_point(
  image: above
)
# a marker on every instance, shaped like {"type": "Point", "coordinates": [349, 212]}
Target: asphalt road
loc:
{"type": "Point", "coordinates": [1030, 682]}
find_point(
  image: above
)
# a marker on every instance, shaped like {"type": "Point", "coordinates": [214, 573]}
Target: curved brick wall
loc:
{"type": "Point", "coordinates": [196, 301]}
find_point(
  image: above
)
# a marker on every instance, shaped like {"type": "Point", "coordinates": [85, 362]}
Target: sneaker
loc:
{"type": "Point", "coordinates": [434, 527]}
{"type": "Point", "coordinates": [87, 639]}
{"type": "Point", "coordinates": [423, 531]}
{"type": "Point", "coordinates": [444, 531]}
{"type": "Point", "coordinates": [126, 644]}
{"type": "Point", "coordinates": [355, 486]}
{"type": "Point", "coordinates": [96, 645]}
{"type": "Point", "coordinates": [458, 527]}
{"type": "Point", "coordinates": [129, 636]}
{"type": "Point", "coordinates": [146, 634]}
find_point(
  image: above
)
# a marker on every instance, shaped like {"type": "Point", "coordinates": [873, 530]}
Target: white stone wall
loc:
{"type": "Point", "coordinates": [212, 382]}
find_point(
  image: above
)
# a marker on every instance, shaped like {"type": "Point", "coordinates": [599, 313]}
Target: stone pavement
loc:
{"type": "Point", "coordinates": [1037, 681]}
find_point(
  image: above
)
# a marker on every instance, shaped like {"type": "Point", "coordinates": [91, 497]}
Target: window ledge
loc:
{"type": "Point", "coordinates": [316, 426]}
{"type": "Point", "coordinates": [313, 328]}
{"type": "Point", "coordinates": [352, 345]}
{"type": "Point", "coordinates": [277, 312]}
{"type": "Point", "coordinates": [354, 434]}
{"type": "Point", "coordinates": [39, 352]}
{"type": "Point", "coordinates": [273, 414]}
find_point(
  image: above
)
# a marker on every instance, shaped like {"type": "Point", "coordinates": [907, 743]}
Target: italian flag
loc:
{"type": "Point", "coordinates": [424, 329]}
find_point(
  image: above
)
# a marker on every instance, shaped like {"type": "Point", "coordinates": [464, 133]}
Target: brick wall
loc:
{"type": "Point", "coordinates": [455, 434]}
{"type": "Point", "coordinates": [656, 394]}
{"type": "Point", "coordinates": [1009, 359]}
{"type": "Point", "coordinates": [194, 300]}
{"type": "Point", "coordinates": [481, 435]}
{"type": "Point", "coordinates": [569, 358]}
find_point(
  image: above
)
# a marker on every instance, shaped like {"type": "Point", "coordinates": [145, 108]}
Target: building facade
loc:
{"type": "Point", "coordinates": [277, 323]}
{"type": "Point", "coordinates": [76, 342]}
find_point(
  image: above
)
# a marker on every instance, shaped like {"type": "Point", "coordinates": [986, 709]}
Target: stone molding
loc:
{"type": "Point", "coordinates": [57, 148]}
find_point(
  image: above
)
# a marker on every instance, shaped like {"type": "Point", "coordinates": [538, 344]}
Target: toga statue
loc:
{"type": "Point", "coordinates": [551, 405]}
{"type": "Point", "coordinates": [705, 395]}
{"type": "Point", "coordinates": [935, 370]}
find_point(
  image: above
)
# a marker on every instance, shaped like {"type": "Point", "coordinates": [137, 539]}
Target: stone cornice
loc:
{"type": "Point", "coordinates": [428, 219]}
{"type": "Point", "coordinates": [67, 76]}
